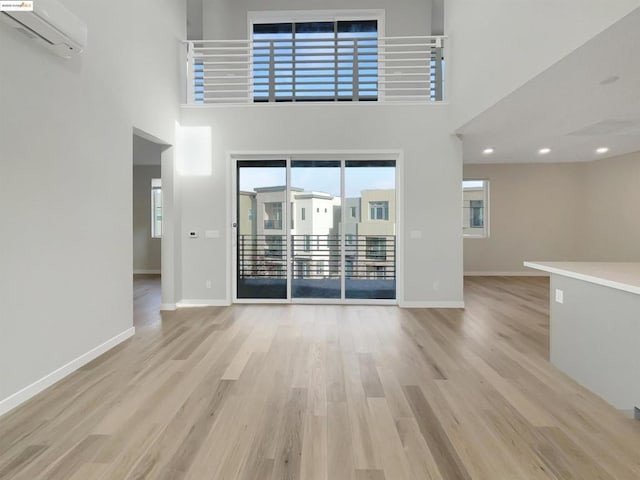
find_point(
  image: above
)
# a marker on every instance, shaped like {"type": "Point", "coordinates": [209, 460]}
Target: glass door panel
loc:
{"type": "Point", "coordinates": [261, 230]}
{"type": "Point", "coordinates": [370, 229]}
{"type": "Point", "coordinates": [315, 229]}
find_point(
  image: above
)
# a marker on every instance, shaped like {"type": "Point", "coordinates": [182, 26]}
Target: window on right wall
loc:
{"type": "Point", "coordinates": [475, 208]}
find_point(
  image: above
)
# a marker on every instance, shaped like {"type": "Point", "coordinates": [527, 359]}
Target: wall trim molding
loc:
{"type": "Point", "coordinates": [167, 307]}
{"type": "Point", "coordinates": [21, 396]}
{"type": "Point", "coordinates": [188, 303]}
{"type": "Point", "coordinates": [532, 273]}
{"type": "Point", "coordinates": [146, 272]}
{"type": "Point", "coordinates": [431, 305]}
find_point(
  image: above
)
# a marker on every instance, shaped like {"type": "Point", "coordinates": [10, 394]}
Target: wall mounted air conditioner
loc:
{"type": "Point", "coordinates": [51, 25]}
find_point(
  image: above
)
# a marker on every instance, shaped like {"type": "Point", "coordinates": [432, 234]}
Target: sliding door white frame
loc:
{"type": "Point", "coordinates": [343, 156]}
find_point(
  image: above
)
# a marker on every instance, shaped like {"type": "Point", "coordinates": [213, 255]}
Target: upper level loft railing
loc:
{"type": "Point", "coordinates": [387, 69]}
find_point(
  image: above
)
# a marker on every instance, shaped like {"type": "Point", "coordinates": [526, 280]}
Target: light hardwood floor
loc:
{"type": "Point", "coordinates": [326, 392]}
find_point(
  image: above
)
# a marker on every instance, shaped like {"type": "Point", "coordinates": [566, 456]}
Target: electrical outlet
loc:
{"type": "Point", "coordinates": [559, 296]}
{"type": "Point", "coordinates": [208, 283]}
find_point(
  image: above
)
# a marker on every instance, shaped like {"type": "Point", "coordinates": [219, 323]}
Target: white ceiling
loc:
{"type": "Point", "coordinates": [589, 99]}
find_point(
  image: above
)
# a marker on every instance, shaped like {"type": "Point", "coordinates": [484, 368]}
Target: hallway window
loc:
{"type": "Point", "coordinates": [156, 208]}
{"type": "Point", "coordinates": [475, 200]}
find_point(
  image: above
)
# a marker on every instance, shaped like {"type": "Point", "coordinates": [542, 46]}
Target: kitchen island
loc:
{"type": "Point", "coordinates": [595, 327]}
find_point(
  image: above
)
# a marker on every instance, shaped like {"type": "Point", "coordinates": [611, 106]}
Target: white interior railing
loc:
{"type": "Point", "coordinates": [385, 69]}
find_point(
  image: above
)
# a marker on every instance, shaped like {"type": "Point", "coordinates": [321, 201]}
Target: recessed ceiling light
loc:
{"type": "Point", "coordinates": [544, 151]}
{"type": "Point", "coordinates": [488, 151]}
{"type": "Point", "coordinates": [602, 150]}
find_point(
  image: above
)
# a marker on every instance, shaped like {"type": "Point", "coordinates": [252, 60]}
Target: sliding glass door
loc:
{"type": "Point", "coordinates": [315, 230]}
{"type": "Point", "coordinates": [370, 230]}
{"type": "Point", "coordinates": [261, 233]}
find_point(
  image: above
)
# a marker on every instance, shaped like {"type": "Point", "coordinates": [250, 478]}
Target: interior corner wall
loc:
{"type": "Point", "coordinates": [610, 207]}
{"type": "Point", "coordinates": [532, 216]}
{"type": "Point", "coordinates": [66, 182]}
{"type": "Point", "coordinates": [146, 250]}
{"type": "Point", "coordinates": [431, 173]}
{"type": "Point", "coordinates": [227, 19]}
{"type": "Point", "coordinates": [496, 46]}
{"type": "Point", "coordinates": [557, 212]}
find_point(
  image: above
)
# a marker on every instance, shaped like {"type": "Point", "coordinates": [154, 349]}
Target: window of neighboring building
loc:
{"type": "Point", "coordinates": [303, 213]}
{"type": "Point", "coordinates": [376, 248]}
{"type": "Point", "coordinates": [273, 216]}
{"type": "Point", "coordinates": [273, 246]}
{"type": "Point", "coordinates": [350, 237]}
{"type": "Point", "coordinates": [475, 212]}
{"type": "Point", "coordinates": [307, 243]}
{"type": "Point", "coordinates": [156, 208]}
{"type": "Point", "coordinates": [353, 212]}
{"type": "Point", "coordinates": [323, 59]}
{"type": "Point", "coordinates": [379, 210]}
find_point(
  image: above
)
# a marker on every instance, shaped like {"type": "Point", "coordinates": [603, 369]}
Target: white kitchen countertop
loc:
{"type": "Point", "coordinates": [622, 276]}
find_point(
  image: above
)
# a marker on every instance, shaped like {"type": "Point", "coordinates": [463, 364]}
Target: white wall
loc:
{"type": "Point", "coordinates": [495, 46]}
{"type": "Point", "coordinates": [66, 179]}
{"type": "Point", "coordinates": [227, 19]}
{"type": "Point", "coordinates": [554, 212]}
{"type": "Point", "coordinates": [611, 208]}
{"type": "Point", "coordinates": [432, 174]}
{"type": "Point", "coordinates": [146, 250]}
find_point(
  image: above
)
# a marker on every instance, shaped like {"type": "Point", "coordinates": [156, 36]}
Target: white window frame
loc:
{"type": "Point", "coordinates": [294, 16]}
{"type": "Point", "coordinates": [484, 232]}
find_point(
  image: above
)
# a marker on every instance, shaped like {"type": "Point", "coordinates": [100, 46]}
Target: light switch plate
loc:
{"type": "Point", "coordinates": [192, 234]}
{"type": "Point", "coordinates": [559, 296]}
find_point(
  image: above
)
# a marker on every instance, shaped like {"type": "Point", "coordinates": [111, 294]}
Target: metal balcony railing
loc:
{"type": "Point", "coordinates": [318, 256]}
{"type": "Point", "coordinates": [385, 69]}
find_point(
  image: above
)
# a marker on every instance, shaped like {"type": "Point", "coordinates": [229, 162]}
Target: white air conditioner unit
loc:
{"type": "Point", "coordinates": [52, 25]}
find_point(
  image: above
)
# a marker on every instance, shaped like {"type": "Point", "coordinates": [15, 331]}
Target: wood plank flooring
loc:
{"type": "Point", "coordinates": [326, 392]}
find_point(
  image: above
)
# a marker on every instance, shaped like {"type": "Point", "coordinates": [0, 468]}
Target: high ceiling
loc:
{"type": "Point", "coordinates": [589, 99]}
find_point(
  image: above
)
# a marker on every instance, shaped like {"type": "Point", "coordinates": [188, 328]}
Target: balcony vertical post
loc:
{"type": "Point", "coordinates": [190, 74]}
{"type": "Point", "coordinates": [272, 72]}
{"type": "Point", "coordinates": [436, 52]}
{"type": "Point", "coordinates": [335, 62]}
{"type": "Point", "coordinates": [356, 71]}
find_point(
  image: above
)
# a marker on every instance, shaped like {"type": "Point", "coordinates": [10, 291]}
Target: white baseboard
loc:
{"type": "Point", "coordinates": [202, 303]}
{"type": "Point", "coordinates": [36, 387]}
{"type": "Point", "coordinates": [521, 273]}
{"type": "Point", "coordinates": [431, 305]}
{"type": "Point", "coordinates": [167, 307]}
{"type": "Point", "coordinates": [146, 272]}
